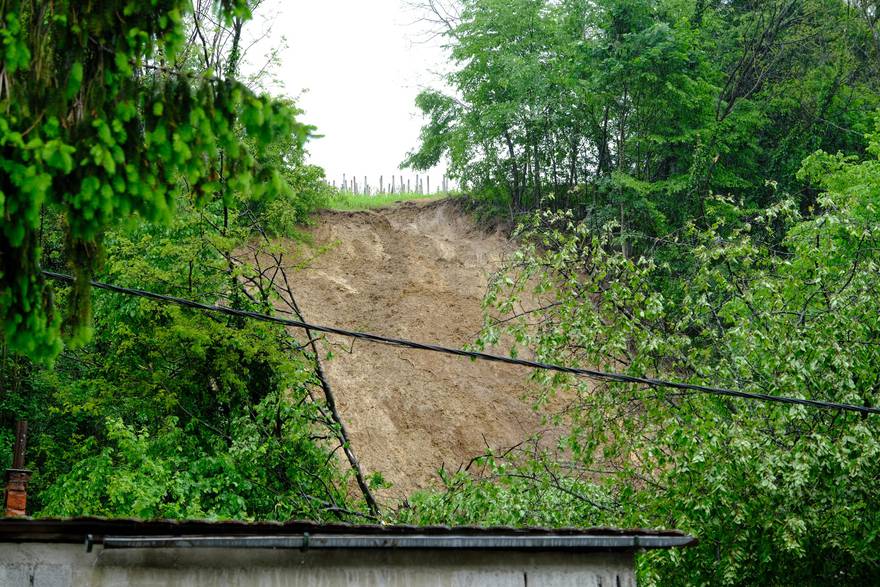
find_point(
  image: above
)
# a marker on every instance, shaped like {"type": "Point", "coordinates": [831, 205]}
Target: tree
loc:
{"type": "Point", "coordinates": [183, 414]}
{"type": "Point", "coordinates": [778, 302]}
{"type": "Point", "coordinates": [99, 121]}
{"type": "Point", "coordinates": [639, 111]}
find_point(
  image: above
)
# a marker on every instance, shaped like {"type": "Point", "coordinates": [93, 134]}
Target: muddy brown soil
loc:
{"type": "Point", "coordinates": [416, 270]}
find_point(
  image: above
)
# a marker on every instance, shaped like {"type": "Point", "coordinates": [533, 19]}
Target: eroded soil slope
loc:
{"type": "Point", "coordinates": [416, 270]}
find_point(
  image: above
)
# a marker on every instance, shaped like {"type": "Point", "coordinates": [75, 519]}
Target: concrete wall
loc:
{"type": "Point", "coordinates": [64, 565]}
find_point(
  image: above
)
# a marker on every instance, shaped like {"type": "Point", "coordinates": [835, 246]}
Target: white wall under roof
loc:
{"type": "Point", "coordinates": [67, 565]}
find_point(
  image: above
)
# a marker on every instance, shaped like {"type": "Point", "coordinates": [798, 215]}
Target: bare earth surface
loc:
{"type": "Point", "coordinates": [416, 270]}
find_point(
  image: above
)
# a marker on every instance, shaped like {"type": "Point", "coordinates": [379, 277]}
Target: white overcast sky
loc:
{"type": "Point", "coordinates": [356, 67]}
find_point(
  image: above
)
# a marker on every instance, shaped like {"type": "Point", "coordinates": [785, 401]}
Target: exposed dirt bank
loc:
{"type": "Point", "coordinates": [416, 270]}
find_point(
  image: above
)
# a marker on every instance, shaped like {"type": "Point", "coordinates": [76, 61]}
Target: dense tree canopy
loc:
{"type": "Point", "coordinates": [100, 120]}
{"type": "Point", "coordinates": [637, 110]}
{"type": "Point", "coordinates": [777, 302]}
{"type": "Point", "coordinates": [696, 184]}
{"type": "Point", "coordinates": [161, 412]}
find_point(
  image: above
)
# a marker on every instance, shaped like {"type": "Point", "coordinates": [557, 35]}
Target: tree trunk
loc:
{"type": "Point", "coordinates": [515, 196]}
{"type": "Point", "coordinates": [621, 167]}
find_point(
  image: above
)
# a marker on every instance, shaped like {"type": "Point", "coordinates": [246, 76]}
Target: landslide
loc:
{"type": "Point", "coordinates": [415, 270]}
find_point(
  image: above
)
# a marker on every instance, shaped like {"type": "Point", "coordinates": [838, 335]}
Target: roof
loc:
{"type": "Point", "coordinates": [130, 533]}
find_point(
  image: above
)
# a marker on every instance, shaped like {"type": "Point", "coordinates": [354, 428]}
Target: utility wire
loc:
{"type": "Point", "coordinates": [399, 342]}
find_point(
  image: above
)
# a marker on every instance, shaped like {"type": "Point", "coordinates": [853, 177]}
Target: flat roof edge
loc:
{"type": "Point", "coordinates": [127, 533]}
{"type": "Point", "coordinates": [404, 542]}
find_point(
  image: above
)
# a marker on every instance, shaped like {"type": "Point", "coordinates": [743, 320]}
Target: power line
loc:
{"type": "Point", "coordinates": [399, 342]}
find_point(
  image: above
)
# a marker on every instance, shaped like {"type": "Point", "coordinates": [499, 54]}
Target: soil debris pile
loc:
{"type": "Point", "coordinates": [417, 270]}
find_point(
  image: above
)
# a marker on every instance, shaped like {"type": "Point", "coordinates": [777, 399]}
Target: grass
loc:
{"type": "Point", "coordinates": [348, 201]}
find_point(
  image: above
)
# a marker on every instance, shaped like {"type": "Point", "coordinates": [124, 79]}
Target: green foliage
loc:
{"type": "Point", "coordinates": [777, 302]}
{"type": "Point", "coordinates": [169, 413]}
{"type": "Point", "coordinates": [170, 474]}
{"type": "Point", "coordinates": [99, 122]}
{"type": "Point", "coordinates": [162, 412]}
{"type": "Point", "coordinates": [502, 491]}
{"type": "Point", "coordinates": [300, 188]}
{"type": "Point", "coordinates": [637, 111]}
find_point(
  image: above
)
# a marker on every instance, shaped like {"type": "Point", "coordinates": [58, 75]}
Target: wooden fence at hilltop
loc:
{"type": "Point", "coordinates": [421, 184]}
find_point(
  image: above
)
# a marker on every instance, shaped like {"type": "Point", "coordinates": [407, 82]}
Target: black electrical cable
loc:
{"type": "Point", "coordinates": [387, 340]}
